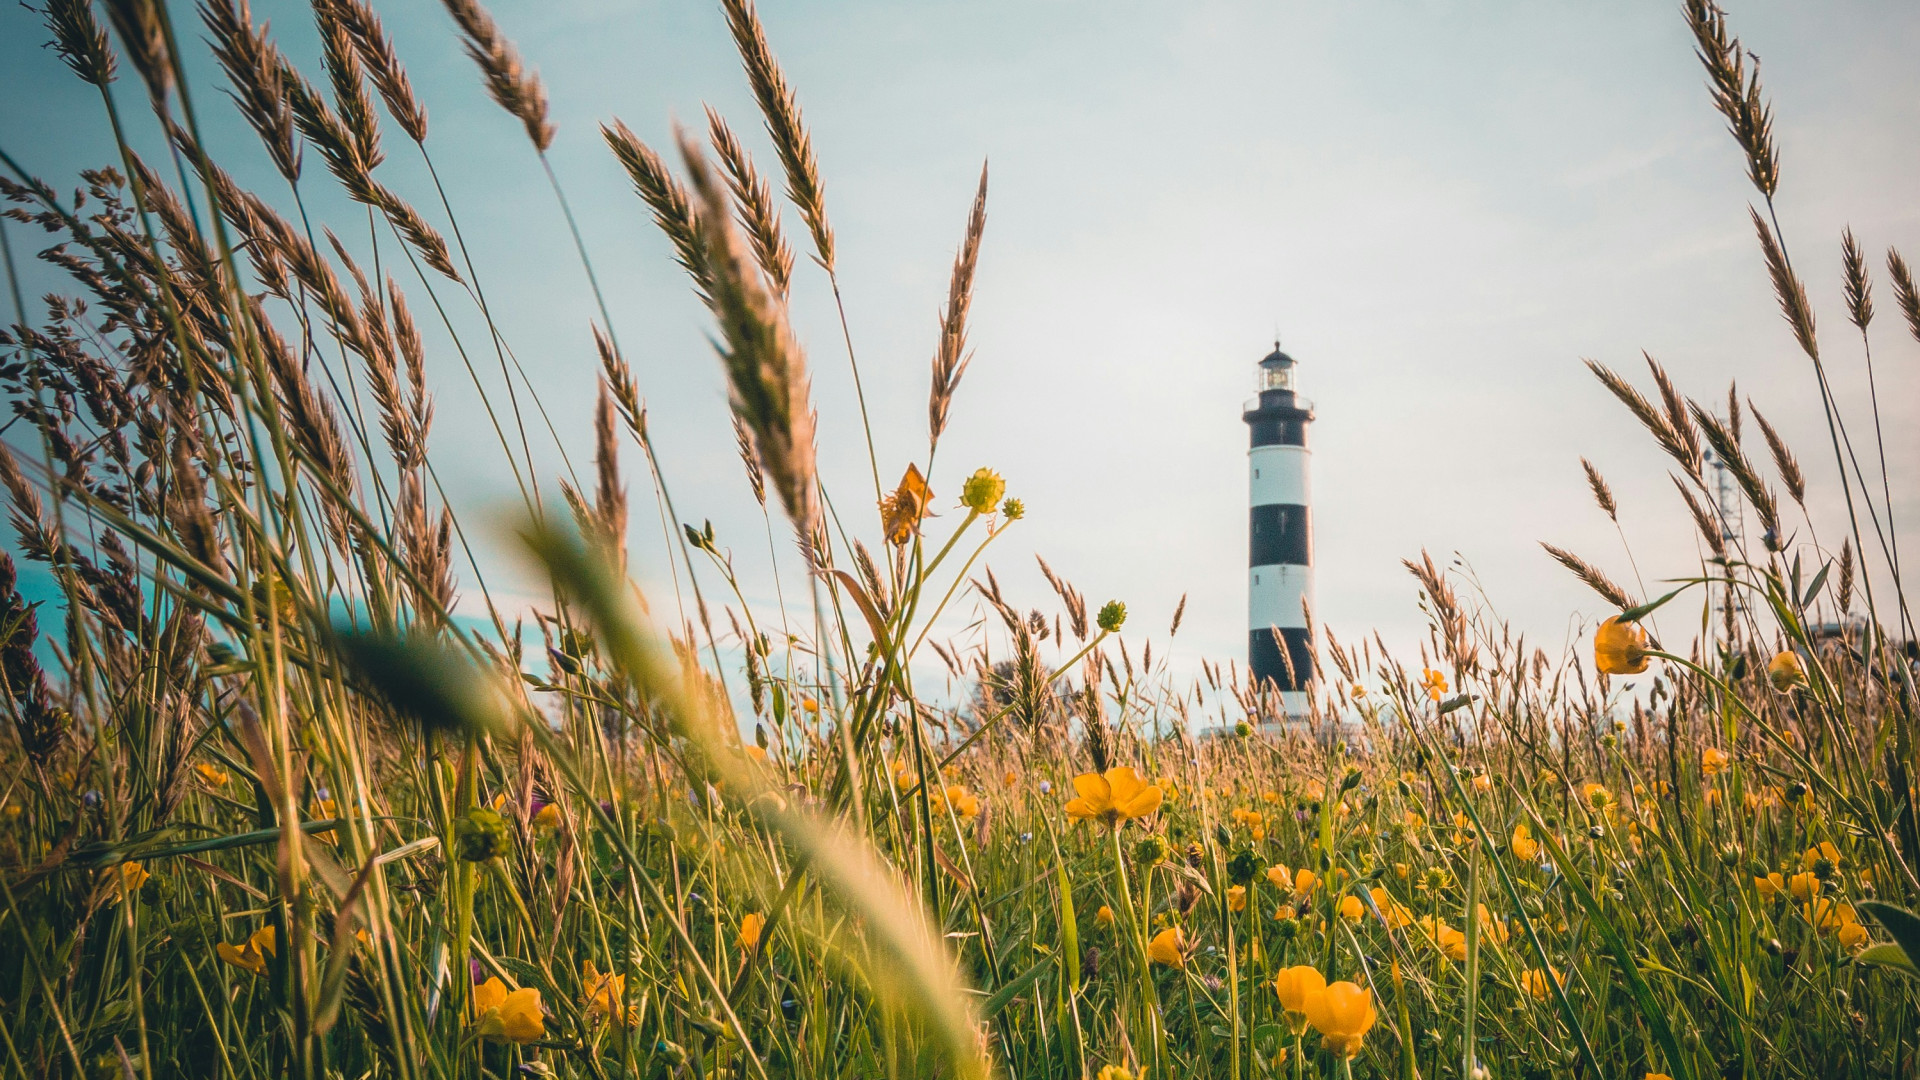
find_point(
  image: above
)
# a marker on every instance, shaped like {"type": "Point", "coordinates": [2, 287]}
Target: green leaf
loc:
{"type": "Point", "coordinates": [1007, 993]}
{"type": "Point", "coordinates": [1813, 590]}
{"type": "Point", "coordinates": [1888, 955]}
{"type": "Point", "coordinates": [1904, 925]}
{"type": "Point", "coordinates": [1635, 614]}
{"type": "Point", "coordinates": [425, 680]}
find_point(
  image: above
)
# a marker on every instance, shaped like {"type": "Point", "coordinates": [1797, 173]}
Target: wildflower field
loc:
{"type": "Point", "coordinates": [270, 807]}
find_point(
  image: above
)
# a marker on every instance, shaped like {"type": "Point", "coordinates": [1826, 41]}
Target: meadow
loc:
{"type": "Point", "coordinates": [271, 806]}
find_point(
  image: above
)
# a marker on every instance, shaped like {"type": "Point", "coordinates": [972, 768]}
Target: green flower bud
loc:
{"type": "Point", "coordinates": [1243, 729]}
{"type": "Point", "coordinates": [1112, 616]}
{"type": "Point", "coordinates": [481, 835]}
{"type": "Point", "coordinates": [1243, 866]}
{"type": "Point", "coordinates": [1151, 851]}
{"type": "Point", "coordinates": [1013, 509]}
{"type": "Point", "coordinates": [982, 490]}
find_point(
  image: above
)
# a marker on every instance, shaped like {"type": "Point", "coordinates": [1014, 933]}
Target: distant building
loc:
{"type": "Point", "coordinates": [1280, 537]}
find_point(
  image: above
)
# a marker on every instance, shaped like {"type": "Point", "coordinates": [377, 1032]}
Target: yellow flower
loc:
{"type": "Point", "coordinates": [964, 802]}
{"type": "Point", "coordinates": [1394, 912]}
{"type": "Point", "coordinates": [1270, 796]}
{"type": "Point", "coordinates": [326, 810]}
{"type": "Point", "coordinates": [1296, 987]}
{"type": "Point", "coordinates": [1168, 947]}
{"type": "Point", "coordinates": [757, 753]}
{"type": "Point", "coordinates": [901, 511]}
{"type": "Point", "coordinates": [1804, 887]}
{"type": "Point", "coordinates": [513, 1015]}
{"type": "Point", "coordinates": [810, 705]}
{"type": "Point", "coordinates": [214, 775]}
{"type": "Point", "coordinates": [1852, 936]}
{"type": "Point", "coordinates": [1237, 898]}
{"type": "Point", "coordinates": [1482, 782]}
{"type": "Point", "coordinates": [1401, 870]}
{"type": "Point", "coordinates": [1114, 797]}
{"type": "Point", "coordinates": [251, 954]}
{"type": "Point", "coordinates": [1435, 683]}
{"type": "Point", "coordinates": [1770, 886]}
{"type": "Point", "coordinates": [548, 817]}
{"type": "Point", "coordinates": [1713, 762]}
{"type": "Point", "coordinates": [1830, 915]}
{"type": "Point", "coordinates": [1534, 982]}
{"type": "Point", "coordinates": [1823, 850]}
{"type": "Point", "coordinates": [127, 879]}
{"type": "Point", "coordinates": [1620, 648]}
{"type": "Point", "coordinates": [1658, 1076]}
{"type": "Point", "coordinates": [1117, 1072]}
{"type": "Point", "coordinates": [1167, 788]}
{"type": "Point", "coordinates": [1280, 878]}
{"type": "Point", "coordinates": [1351, 909]}
{"type": "Point", "coordinates": [750, 926]}
{"type": "Point", "coordinates": [1342, 1014]}
{"type": "Point", "coordinates": [1104, 917]}
{"type": "Point", "coordinates": [1011, 778]}
{"type": "Point", "coordinates": [1283, 913]}
{"type": "Point", "coordinates": [1304, 881]}
{"type": "Point", "coordinates": [1445, 938]}
{"type": "Point", "coordinates": [1525, 847]}
{"type": "Point", "coordinates": [606, 996]}
{"type": "Point", "coordinates": [1495, 929]}
{"type": "Point", "coordinates": [1785, 671]}
{"type": "Point", "coordinates": [1596, 795]}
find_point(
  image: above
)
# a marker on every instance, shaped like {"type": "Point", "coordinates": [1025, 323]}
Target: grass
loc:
{"type": "Point", "coordinates": [268, 808]}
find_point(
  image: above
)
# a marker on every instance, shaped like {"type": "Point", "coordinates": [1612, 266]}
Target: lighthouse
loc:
{"type": "Point", "coordinates": [1280, 538]}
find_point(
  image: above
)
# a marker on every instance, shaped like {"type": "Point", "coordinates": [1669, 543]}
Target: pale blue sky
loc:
{"type": "Point", "coordinates": [1441, 207]}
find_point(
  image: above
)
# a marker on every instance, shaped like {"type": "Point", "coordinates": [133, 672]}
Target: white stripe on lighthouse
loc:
{"type": "Point", "coordinates": [1279, 474]}
{"type": "Point", "coordinates": [1274, 595]}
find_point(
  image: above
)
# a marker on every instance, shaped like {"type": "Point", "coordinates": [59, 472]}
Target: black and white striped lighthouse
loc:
{"type": "Point", "coordinates": [1280, 557]}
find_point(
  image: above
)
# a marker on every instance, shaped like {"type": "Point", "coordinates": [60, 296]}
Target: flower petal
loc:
{"type": "Point", "coordinates": [489, 995]}
{"type": "Point", "coordinates": [520, 1018]}
{"type": "Point", "coordinates": [1142, 803]}
{"type": "Point", "coordinates": [1095, 789]}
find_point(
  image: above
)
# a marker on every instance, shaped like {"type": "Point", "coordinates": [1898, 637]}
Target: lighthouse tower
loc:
{"type": "Point", "coordinates": [1280, 562]}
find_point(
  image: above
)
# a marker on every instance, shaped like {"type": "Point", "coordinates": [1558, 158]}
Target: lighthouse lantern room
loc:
{"type": "Point", "coordinates": [1280, 558]}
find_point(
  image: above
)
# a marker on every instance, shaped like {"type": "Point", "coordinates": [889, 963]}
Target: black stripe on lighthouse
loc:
{"type": "Point", "coordinates": [1280, 535]}
{"type": "Point", "coordinates": [1263, 656]}
{"type": "Point", "coordinates": [1286, 427]}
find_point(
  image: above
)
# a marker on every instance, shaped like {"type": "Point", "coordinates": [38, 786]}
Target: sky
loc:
{"type": "Point", "coordinates": [1440, 209]}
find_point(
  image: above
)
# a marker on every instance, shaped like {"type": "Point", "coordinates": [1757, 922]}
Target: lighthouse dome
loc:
{"type": "Point", "coordinates": [1276, 370]}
